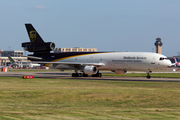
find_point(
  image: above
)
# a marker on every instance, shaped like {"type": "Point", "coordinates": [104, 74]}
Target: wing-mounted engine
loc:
{"type": "Point", "coordinates": [38, 48]}
{"type": "Point", "coordinates": [90, 70]}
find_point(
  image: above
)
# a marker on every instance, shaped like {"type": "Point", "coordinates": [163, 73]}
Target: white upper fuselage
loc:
{"type": "Point", "coordinates": [117, 61]}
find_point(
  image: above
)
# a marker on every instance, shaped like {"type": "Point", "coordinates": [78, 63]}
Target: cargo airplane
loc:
{"type": "Point", "coordinates": [85, 63]}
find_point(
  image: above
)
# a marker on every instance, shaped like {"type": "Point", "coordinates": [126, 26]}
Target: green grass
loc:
{"type": "Point", "coordinates": [70, 99]}
{"type": "Point", "coordinates": [153, 75]}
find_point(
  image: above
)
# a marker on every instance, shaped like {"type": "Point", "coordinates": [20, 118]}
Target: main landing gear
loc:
{"type": "Point", "coordinates": [148, 74]}
{"type": "Point", "coordinates": [97, 74]}
{"type": "Point", "coordinates": [86, 75]}
{"type": "Point", "coordinates": [79, 75]}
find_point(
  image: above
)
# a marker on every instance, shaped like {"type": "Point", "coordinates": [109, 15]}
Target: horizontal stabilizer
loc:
{"type": "Point", "coordinates": [32, 57]}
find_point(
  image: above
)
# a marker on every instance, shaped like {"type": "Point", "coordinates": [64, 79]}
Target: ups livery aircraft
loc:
{"type": "Point", "coordinates": [85, 63]}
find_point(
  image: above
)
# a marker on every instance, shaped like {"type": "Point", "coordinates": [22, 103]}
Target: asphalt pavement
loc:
{"type": "Point", "coordinates": [66, 75]}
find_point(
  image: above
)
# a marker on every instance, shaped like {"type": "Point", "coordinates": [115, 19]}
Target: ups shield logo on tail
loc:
{"type": "Point", "coordinates": [32, 35]}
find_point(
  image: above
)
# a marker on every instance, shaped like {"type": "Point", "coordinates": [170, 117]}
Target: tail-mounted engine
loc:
{"type": "Point", "coordinates": [38, 47]}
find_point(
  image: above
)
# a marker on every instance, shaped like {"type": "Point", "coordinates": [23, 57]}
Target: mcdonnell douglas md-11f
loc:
{"type": "Point", "coordinates": [91, 62]}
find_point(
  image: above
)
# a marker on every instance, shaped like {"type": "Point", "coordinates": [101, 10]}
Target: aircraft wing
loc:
{"type": "Point", "coordinates": [173, 64]}
{"type": "Point", "coordinates": [71, 63]}
{"type": "Point", "coordinates": [63, 63]}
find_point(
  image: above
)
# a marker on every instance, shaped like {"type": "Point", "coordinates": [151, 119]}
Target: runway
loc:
{"type": "Point", "coordinates": [66, 75]}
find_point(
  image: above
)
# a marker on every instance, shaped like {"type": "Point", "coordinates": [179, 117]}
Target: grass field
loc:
{"type": "Point", "coordinates": [69, 99]}
{"type": "Point", "coordinates": [153, 75]}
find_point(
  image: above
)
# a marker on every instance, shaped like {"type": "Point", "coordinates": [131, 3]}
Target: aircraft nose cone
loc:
{"type": "Point", "coordinates": [168, 63]}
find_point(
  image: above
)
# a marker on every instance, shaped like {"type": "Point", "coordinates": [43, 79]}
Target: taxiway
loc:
{"type": "Point", "coordinates": [66, 75]}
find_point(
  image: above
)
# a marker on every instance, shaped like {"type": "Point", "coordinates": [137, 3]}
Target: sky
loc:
{"type": "Point", "coordinates": [108, 25]}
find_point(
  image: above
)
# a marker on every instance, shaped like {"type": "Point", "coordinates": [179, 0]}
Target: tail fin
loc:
{"type": "Point", "coordinates": [176, 61]}
{"type": "Point", "coordinates": [36, 44]}
{"type": "Point", "coordinates": [33, 34]}
{"type": "Point", "coordinates": [11, 60]}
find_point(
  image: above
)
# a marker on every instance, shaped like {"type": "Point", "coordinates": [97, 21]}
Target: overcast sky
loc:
{"type": "Point", "coordinates": [108, 25]}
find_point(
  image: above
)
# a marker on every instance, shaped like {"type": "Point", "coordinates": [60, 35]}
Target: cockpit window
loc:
{"type": "Point", "coordinates": [161, 58]}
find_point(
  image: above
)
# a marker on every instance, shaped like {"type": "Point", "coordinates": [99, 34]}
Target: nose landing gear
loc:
{"type": "Point", "coordinates": [148, 74]}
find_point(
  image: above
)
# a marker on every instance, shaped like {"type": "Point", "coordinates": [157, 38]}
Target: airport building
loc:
{"type": "Point", "coordinates": [75, 49]}
{"type": "Point", "coordinates": [4, 60]}
{"type": "Point", "coordinates": [158, 44]}
{"type": "Point", "coordinates": [11, 53]}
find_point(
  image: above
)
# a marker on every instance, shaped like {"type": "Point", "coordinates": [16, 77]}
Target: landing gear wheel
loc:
{"type": "Point", "coordinates": [100, 75]}
{"type": "Point", "coordinates": [79, 75]}
{"type": "Point", "coordinates": [97, 75]}
{"type": "Point", "coordinates": [85, 75]}
{"type": "Point", "coordinates": [76, 74]}
{"type": "Point", "coordinates": [73, 74]}
{"type": "Point", "coordinates": [148, 76]}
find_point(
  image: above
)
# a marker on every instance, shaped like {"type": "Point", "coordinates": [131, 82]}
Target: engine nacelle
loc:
{"type": "Point", "coordinates": [38, 47]}
{"type": "Point", "coordinates": [90, 70]}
